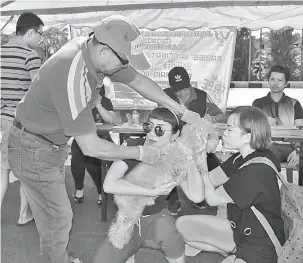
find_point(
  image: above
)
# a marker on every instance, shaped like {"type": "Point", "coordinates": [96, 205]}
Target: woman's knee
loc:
{"type": "Point", "coordinates": [207, 229]}
{"type": "Point", "coordinates": [182, 225]}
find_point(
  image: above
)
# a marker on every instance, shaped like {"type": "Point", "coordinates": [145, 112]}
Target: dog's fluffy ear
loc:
{"type": "Point", "coordinates": [206, 126]}
{"type": "Point", "coordinates": [212, 142]}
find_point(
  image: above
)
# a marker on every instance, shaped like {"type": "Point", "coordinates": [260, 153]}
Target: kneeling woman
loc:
{"type": "Point", "coordinates": [241, 237]}
{"type": "Point", "coordinates": [157, 227]}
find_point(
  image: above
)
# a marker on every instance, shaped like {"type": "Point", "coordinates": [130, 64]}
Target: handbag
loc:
{"type": "Point", "coordinates": [292, 215]}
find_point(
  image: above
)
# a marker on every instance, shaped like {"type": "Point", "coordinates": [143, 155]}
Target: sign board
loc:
{"type": "Point", "coordinates": [207, 55]}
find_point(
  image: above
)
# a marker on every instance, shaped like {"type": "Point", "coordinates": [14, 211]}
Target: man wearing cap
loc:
{"type": "Point", "coordinates": [195, 100]}
{"type": "Point", "coordinates": [58, 106]}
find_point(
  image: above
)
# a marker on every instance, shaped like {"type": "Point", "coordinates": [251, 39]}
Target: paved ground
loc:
{"type": "Point", "coordinates": [21, 244]}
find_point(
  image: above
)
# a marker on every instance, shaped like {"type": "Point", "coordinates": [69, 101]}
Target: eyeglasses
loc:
{"type": "Point", "coordinates": [159, 131]}
{"type": "Point", "coordinates": [123, 61]}
{"type": "Point", "coordinates": [40, 33]}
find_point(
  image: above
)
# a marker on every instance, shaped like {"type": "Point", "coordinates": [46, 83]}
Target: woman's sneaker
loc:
{"type": "Point", "coordinates": [174, 207]}
{"type": "Point", "coordinates": [201, 205]}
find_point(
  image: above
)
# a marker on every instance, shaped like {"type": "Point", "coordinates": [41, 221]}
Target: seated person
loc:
{"type": "Point", "coordinates": [103, 112]}
{"type": "Point", "coordinates": [281, 110]}
{"type": "Point", "coordinates": [240, 237]}
{"type": "Point", "coordinates": [195, 100]}
{"type": "Point", "coordinates": [156, 228]}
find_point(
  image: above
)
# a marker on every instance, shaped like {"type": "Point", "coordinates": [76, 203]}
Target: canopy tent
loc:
{"type": "Point", "coordinates": [156, 14]}
{"type": "Point", "coordinates": [273, 14]}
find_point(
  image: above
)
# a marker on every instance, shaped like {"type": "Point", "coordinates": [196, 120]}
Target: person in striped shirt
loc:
{"type": "Point", "coordinates": [19, 65]}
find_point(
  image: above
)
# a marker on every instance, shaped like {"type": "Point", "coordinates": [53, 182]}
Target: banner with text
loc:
{"type": "Point", "coordinates": [207, 55]}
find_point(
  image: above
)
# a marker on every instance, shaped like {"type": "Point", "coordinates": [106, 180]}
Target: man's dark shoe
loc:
{"type": "Point", "coordinates": [174, 207]}
{"type": "Point", "coordinates": [201, 205]}
{"type": "Point", "coordinates": [73, 258]}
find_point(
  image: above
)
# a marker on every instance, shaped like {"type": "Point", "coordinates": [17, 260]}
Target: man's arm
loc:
{"type": "Point", "coordinates": [152, 91]}
{"type": "Point", "coordinates": [214, 111]}
{"type": "Point", "coordinates": [33, 64]}
{"type": "Point", "coordinates": [91, 145]}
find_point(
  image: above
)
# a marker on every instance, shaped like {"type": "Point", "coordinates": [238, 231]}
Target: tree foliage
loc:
{"type": "Point", "coordinates": [285, 50]}
{"type": "Point", "coordinates": [241, 58]}
{"type": "Point", "coordinates": [274, 47]}
{"type": "Point", "coordinates": [240, 65]}
{"type": "Point", "coordinates": [53, 39]}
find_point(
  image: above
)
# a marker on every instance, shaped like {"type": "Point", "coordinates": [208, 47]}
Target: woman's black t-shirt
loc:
{"type": "Point", "coordinates": [253, 185]}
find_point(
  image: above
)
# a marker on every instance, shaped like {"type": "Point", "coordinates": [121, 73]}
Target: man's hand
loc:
{"type": "Point", "coordinates": [293, 159]}
{"type": "Point", "coordinates": [150, 154]}
{"type": "Point", "coordinates": [164, 189]}
{"type": "Point", "coordinates": [190, 117]}
{"type": "Point", "coordinates": [97, 101]}
{"type": "Point", "coordinates": [272, 121]}
{"type": "Point", "coordinates": [209, 118]}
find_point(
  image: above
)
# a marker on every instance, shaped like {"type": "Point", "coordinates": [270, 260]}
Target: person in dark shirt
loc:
{"type": "Point", "coordinates": [241, 236]}
{"type": "Point", "coordinates": [281, 110]}
{"type": "Point", "coordinates": [195, 100]}
{"type": "Point", "coordinates": [156, 228]}
{"type": "Point", "coordinates": [103, 112]}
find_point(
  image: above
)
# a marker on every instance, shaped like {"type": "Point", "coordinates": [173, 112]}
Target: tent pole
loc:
{"type": "Point", "coordinates": [260, 61]}
{"type": "Point", "coordinates": [249, 56]}
{"type": "Point", "coordinates": [10, 19]}
{"type": "Point", "coordinates": [5, 3]}
{"type": "Point", "coordinates": [301, 75]}
{"type": "Point", "coordinates": [151, 5]}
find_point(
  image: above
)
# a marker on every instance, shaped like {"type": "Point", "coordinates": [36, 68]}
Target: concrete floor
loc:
{"type": "Point", "coordinates": [21, 244]}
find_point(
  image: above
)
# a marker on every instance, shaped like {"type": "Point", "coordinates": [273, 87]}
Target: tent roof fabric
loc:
{"type": "Point", "coordinates": [69, 6]}
{"type": "Point", "coordinates": [160, 13]}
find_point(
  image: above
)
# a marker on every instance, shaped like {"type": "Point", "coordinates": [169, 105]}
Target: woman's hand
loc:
{"type": "Point", "coordinates": [293, 159]}
{"type": "Point", "coordinates": [164, 189]}
{"type": "Point", "coordinates": [187, 150]}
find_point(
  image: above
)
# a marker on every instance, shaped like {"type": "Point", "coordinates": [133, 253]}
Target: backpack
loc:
{"type": "Point", "coordinates": [292, 215]}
